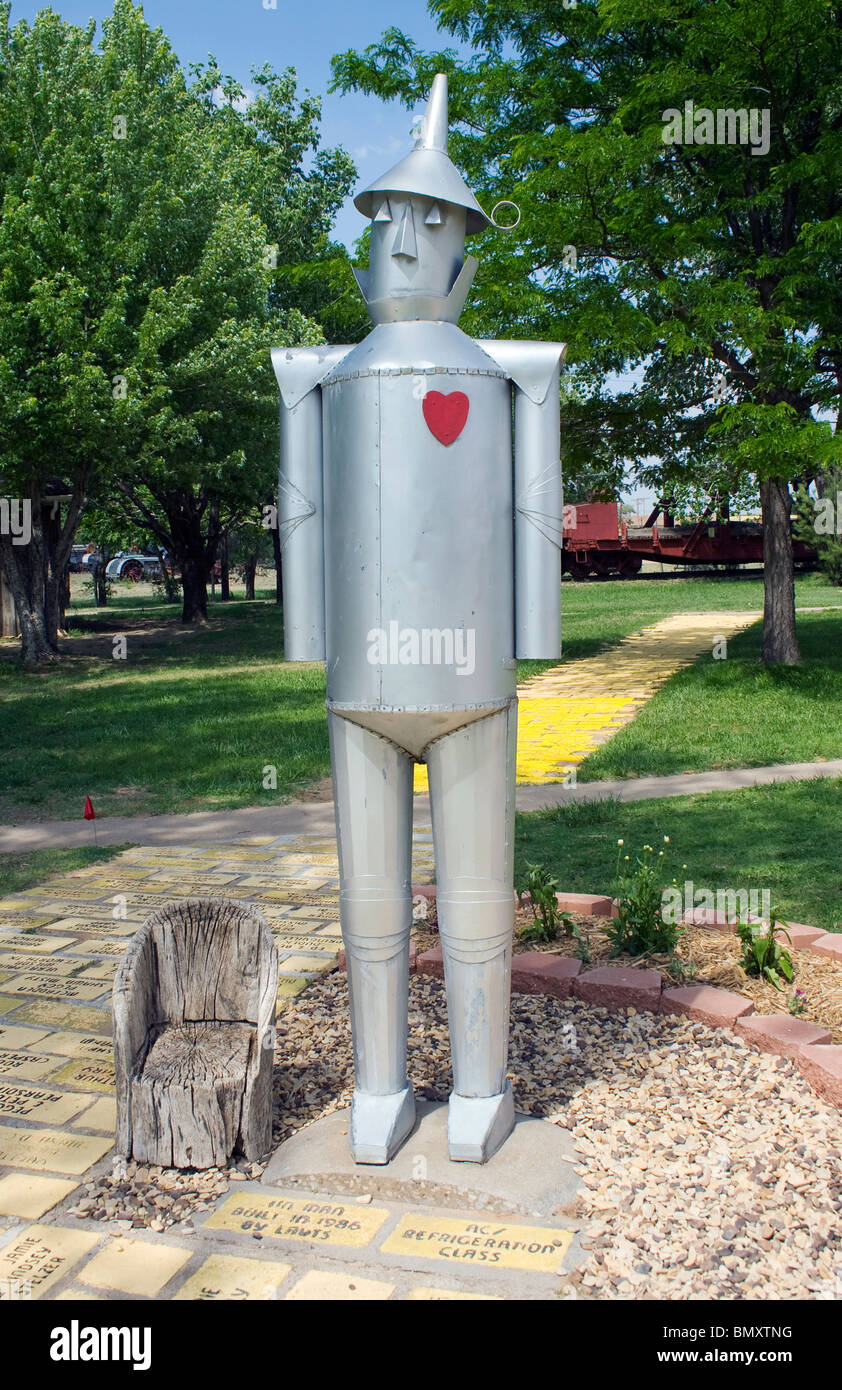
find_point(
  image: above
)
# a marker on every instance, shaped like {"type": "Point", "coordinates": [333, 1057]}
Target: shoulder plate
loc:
{"type": "Point", "coordinates": [530, 365]}
{"type": "Point", "coordinates": [300, 369]}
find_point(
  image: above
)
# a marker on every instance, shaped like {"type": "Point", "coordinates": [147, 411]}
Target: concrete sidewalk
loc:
{"type": "Point", "coordinates": [315, 818]}
{"type": "Point", "coordinates": [676, 784]}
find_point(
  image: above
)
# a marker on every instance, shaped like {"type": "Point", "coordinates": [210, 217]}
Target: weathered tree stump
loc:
{"type": "Point", "coordinates": [194, 1014]}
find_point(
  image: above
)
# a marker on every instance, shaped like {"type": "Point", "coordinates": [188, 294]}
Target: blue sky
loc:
{"type": "Point", "coordinates": [242, 34]}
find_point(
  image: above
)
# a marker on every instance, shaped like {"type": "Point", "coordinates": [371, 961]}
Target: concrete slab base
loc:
{"type": "Point", "coordinates": [532, 1174]}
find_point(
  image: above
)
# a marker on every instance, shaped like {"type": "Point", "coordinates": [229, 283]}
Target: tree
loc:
{"type": "Point", "coordinates": [712, 268]}
{"type": "Point", "coordinates": [60, 305]}
{"type": "Point", "coordinates": [143, 220]}
{"type": "Point", "coordinates": [202, 400]}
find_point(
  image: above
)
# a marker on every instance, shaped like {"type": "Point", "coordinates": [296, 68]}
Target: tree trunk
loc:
{"type": "Point", "coordinates": [36, 647]}
{"type": "Point", "coordinates": [100, 578]}
{"type": "Point", "coordinates": [780, 641]}
{"type": "Point", "coordinates": [24, 570]}
{"type": "Point", "coordinates": [224, 572]}
{"type": "Point", "coordinates": [194, 583]}
{"type": "Point", "coordinates": [249, 572]}
{"type": "Point", "coordinates": [55, 603]}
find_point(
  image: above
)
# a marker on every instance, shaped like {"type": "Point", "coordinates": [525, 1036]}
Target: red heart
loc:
{"type": "Point", "coordinates": [446, 415]}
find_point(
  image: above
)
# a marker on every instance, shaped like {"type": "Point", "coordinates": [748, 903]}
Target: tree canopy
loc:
{"type": "Point", "coordinates": [711, 265]}
{"type": "Point", "coordinates": [146, 218]}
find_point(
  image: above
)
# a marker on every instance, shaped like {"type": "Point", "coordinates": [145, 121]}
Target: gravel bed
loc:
{"type": "Point", "coordinates": [139, 1196]}
{"type": "Point", "coordinates": [709, 1170]}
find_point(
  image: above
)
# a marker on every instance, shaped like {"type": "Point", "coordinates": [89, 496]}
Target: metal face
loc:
{"type": "Point", "coordinates": [412, 257]}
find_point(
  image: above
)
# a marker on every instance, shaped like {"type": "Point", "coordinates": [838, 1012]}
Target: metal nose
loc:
{"type": "Point", "coordinates": [405, 244]}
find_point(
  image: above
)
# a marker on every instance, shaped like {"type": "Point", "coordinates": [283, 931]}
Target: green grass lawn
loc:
{"type": "Point", "coordinates": [31, 867]}
{"type": "Point", "coordinates": [192, 717]}
{"type": "Point", "coordinates": [596, 615]}
{"type": "Point", "coordinates": [189, 720]}
{"type": "Point", "coordinates": [785, 838]}
{"type": "Point", "coordinates": [737, 712]}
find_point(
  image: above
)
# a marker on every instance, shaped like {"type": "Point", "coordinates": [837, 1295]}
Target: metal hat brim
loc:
{"type": "Point", "coordinates": [429, 174]}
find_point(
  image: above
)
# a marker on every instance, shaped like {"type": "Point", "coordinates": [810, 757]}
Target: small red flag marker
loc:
{"type": "Point", "coordinates": [90, 814]}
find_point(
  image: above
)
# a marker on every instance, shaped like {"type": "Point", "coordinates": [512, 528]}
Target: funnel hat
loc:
{"type": "Point", "coordinates": [427, 170]}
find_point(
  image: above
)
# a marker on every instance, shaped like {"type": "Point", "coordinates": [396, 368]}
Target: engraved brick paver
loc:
{"type": "Point", "coordinates": [28, 1195]}
{"type": "Point", "coordinates": [22, 1066]}
{"type": "Point", "coordinates": [274, 1216]}
{"type": "Point", "coordinates": [40, 1257]}
{"type": "Point", "coordinates": [228, 1277]}
{"type": "Point", "coordinates": [493, 1243]}
{"type": "Point", "coordinates": [134, 1266]}
{"type": "Point", "coordinates": [51, 1150]}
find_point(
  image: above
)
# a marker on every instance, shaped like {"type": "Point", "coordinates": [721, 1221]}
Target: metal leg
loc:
{"type": "Point", "coordinates": [372, 784]}
{"type": "Point", "coordinates": [472, 798]}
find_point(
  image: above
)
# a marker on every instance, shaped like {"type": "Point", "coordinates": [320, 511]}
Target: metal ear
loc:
{"type": "Point", "coordinates": [434, 217]}
{"type": "Point", "coordinates": [383, 213]}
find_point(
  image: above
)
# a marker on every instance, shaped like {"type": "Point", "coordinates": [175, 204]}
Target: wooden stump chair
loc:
{"type": "Point", "coordinates": [194, 1014]}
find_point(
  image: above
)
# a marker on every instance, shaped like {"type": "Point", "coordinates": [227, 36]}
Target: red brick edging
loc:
{"type": "Point", "coordinates": [621, 987]}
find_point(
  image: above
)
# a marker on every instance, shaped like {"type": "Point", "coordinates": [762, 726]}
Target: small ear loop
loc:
{"type": "Point", "coordinates": [504, 226]}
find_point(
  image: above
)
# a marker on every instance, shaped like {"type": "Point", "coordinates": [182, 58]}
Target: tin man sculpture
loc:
{"type": "Point", "coordinates": [421, 519]}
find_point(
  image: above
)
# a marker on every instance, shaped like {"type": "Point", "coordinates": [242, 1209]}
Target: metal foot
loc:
{"type": "Point", "coordinates": [478, 1125]}
{"type": "Point", "coordinates": [380, 1124]}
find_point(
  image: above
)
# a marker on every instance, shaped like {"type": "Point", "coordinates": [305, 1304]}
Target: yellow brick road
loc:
{"type": "Point", "coordinates": [569, 710]}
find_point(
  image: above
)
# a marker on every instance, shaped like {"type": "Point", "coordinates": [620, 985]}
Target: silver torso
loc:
{"type": "Point", "coordinates": [418, 533]}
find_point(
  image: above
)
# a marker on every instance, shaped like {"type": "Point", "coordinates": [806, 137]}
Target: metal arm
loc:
{"type": "Point", "coordinates": [534, 369]}
{"type": "Point", "coordinates": [300, 497]}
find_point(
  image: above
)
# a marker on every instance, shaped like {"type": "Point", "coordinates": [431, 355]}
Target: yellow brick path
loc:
{"type": "Point", "coordinates": [566, 712]}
